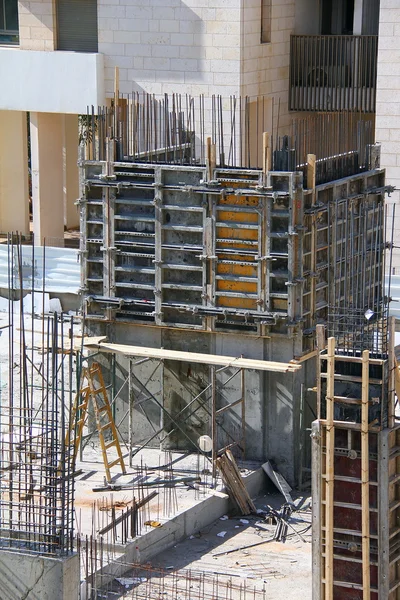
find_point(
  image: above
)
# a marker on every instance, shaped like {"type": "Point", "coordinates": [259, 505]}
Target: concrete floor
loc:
{"type": "Point", "coordinates": [273, 570]}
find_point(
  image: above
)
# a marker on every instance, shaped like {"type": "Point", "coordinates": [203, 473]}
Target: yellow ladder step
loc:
{"type": "Point", "coordinates": [117, 461]}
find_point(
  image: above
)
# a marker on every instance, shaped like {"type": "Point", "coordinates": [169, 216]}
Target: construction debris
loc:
{"type": "Point", "coordinates": [234, 483]}
{"type": "Point", "coordinates": [279, 481]}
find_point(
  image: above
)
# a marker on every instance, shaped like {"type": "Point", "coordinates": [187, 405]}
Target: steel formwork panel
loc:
{"type": "Point", "coordinates": [171, 246]}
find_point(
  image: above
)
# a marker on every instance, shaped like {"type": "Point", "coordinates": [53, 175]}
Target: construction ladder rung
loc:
{"type": "Point", "coordinates": [117, 461]}
{"type": "Point", "coordinates": [110, 444]}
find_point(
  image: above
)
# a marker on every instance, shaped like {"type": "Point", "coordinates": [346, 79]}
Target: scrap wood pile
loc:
{"type": "Point", "coordinates": [234, 483]}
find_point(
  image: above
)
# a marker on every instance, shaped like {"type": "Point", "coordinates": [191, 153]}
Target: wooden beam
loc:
{"type": "Point", "coordinates": [266, 166]}
{"type": "Point", "coordinates": [116, 86]}
{"type": "Point", "coordinates": [330, 469]}
{"type": "Point", "coordinates": [128, 513]}
{"type": "Point", "coordinates": [211, 158]}
{"type": "Point", "coordinates": [311, 171]}
{"type": "Point", "coordinates": [394, 373]}
{"type": "Point", "coordinates": [195, 357]}
{"type": "Point", "coordinates": [365, 477]}
{"type": "Point", "coordinates": [311, 177]}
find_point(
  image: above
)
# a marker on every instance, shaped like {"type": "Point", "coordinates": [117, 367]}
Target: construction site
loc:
{"type": "Point", "coordinates": [212, 414]}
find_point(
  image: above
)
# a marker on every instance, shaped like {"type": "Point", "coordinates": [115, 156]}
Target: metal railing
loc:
{"type": "Point", "coordinates": [333, 72]}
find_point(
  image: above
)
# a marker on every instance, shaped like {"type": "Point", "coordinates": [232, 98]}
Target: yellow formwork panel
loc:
{"type": "Point", "coordinates": [244, 303]}
{"type": "Point", "coordinates": [238, 217]}
{"type": "Point", "coordinates": [239, 236]}
{"type": "Point", "coordinates": [236, 286]}
{"type": "Point", "coordinates": [237, 269]}
{"type": "Point", "coordinates": [236, 234]}
{"type": "Point", "coordinates": [279, 304]}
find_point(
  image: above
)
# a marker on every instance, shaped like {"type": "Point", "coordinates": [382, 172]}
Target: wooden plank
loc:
{"type": "Point", "coordinates": [365, 515]}
{"type": "Point", "coordinates": [266, 166]}
{"type": "Point", "coordinates": [330, 471]}
{"type": "Point", "coordinates": [311, 176]}
{"type": "Point", "coordinates": [311, 171]}
{"type": "Point", "coordinates": [234, 483]}
{"type": "Point", "coordinates": [354, 359]}
{"type": "Point", "coordinates": [116, 86]}
{"type": "Point", "coordinates": [316, 486]}
{"type": "Point", "coordinates": [128, 513]}
{"type": "Point", "coordinates": [352, 379]}
{"type": "Point", "coordinates": [394, 374]}
{"type": "Point", "coordinates": [354, 426]}
{"type": "Point", "coordinates": [305, 357]}
{"type": "Point", "coordinates": [207, 359]}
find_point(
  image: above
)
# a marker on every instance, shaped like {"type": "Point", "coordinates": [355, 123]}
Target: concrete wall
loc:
{"type": "Point", "coordinates": [32, 577]}
{"type": "Point", "coordinates": [388, 108]}
{"type": "Point", "coordinates": [273, 401]}
{"type": "Point", "coordinates": [60, 82]}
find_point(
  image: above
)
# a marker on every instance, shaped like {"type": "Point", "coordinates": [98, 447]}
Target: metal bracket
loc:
{"type": "Point", "coordinates": [105, 177]}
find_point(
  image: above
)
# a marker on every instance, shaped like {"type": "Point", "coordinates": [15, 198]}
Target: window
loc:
{"type": "Point", "coordinates": [9, 22]}
{"type": "Point", "coordinates": [265, 21]}
{"type": "Point", "coordinates": [77, 25]}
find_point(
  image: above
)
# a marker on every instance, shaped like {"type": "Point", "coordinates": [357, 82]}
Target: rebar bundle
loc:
{"type": "Point", "coordinates": [134, 581]}
{"type": "Point", "coordinates": [173, 129]}
{"type": "Point", "coordinates": [37, 486]}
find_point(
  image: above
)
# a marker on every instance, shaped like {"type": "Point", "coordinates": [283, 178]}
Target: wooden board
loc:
{"type": "Point", "coordinates": [207, 359]}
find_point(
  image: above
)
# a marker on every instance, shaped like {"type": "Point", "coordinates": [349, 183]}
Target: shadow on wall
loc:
{"type": "Point", "coordinates": [154, 42]}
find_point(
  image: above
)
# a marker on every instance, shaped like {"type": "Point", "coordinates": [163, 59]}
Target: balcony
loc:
{"type": "Point", "coordinates": [58, 82]}
{"type": "Point", "coordinates": [333, 72]}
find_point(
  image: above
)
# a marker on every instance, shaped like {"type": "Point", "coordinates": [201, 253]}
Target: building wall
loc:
{"type": "Point", "coordinates": [165, 46]}
{"type": "Point", "coordinates": [36, 25]}
{"type": "Point", "coordinates": [388, 109]}
{"type": "Point", "coordinates": [265, 66]}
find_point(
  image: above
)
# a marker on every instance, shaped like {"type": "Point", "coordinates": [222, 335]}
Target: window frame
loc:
{"type": "Point", "coordinates": [266, 10]}
{"type": "Point", "coordinates": [10, 33]}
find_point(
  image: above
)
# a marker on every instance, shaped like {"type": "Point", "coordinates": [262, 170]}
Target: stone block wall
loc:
{"type": "Point", "coordinates": [36, 25]}
{"type": "Point", "coordinates": [165, 46]}
{"type": "Point", "coordinates": [388, 109]}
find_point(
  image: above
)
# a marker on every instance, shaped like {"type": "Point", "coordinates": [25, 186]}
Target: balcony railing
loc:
{"type": "Point", "coordinates": [333, 72]}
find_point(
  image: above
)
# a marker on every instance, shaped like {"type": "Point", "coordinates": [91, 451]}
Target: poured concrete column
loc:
{"type": "Point", "coordinates": [38, 577]}
{"type": "Point", "coordinates": [71, 173]}
{"type": "Point", "coordinates": [47, 178]}
{"type": "Point", "coordinates": [14, 188]}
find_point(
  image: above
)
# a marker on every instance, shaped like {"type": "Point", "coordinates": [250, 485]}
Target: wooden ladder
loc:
{"type": "Point", "coordinates": [92, 387]}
